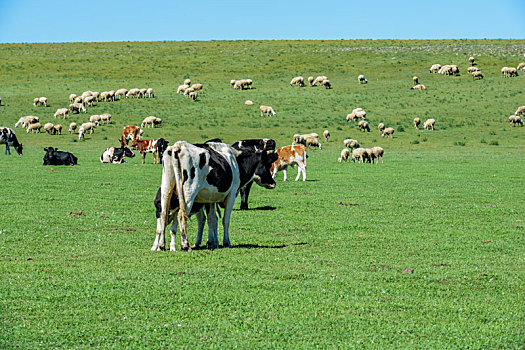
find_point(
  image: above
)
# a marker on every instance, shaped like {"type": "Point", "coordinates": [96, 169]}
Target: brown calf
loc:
{"type": "Point", "coordinates": [145, 146]}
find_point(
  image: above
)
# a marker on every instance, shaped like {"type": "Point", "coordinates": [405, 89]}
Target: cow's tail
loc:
{"type": "Point", "coordinates": [183, 216]}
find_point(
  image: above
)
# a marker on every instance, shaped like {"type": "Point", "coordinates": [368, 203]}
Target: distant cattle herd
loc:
{"type": "Point", "coordinates": [197, 179]}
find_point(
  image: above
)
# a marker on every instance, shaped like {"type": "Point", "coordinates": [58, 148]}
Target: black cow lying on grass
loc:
{"type": "Point", "coordinates": [55, 157]}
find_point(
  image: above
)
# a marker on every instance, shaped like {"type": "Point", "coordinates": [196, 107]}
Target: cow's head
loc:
{"type": "Point", "coordinates": [134, 143]}
{"type": "Point", "coordinates": [263, 176]}
{"type": "Point", "coordinates": [128, 152]}
{"type": "Point", "coordinates": [19, 149]}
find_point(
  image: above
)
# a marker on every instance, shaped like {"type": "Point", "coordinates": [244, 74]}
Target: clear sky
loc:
{"type": "Point", "coordinates": [151, 20]}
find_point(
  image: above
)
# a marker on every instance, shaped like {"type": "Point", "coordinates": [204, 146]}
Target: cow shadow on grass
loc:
{"type": "Point", "coordinates": [264, 207]}
{"type": "Point", "coordinates": [257, 246]}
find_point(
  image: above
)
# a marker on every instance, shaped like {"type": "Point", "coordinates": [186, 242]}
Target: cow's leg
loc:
{"type": "Point", "coordinates": [245, 192]}
{"type": "Point", "coordinates": [285, 173]}
{"type": "Point", "coordinates": [201, 220]}
{"type": "Point", "coordinates": [166, 188]}
{"type": "Point", "coordinates": [213, 227]}
{"type": "Point", "coordinates": [7, 150]}
{"type": "Point", "coordinates": [301, 169]}
{"type": "Point", "coordinates": [226, 219]}
{"type": "Point", "coordinates": [173, 232]}
{"type": "Point", "coordinates": [143, 157]}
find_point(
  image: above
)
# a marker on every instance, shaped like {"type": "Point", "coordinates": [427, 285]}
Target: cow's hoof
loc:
{"type": "Point", "coordinates": [186, 248]}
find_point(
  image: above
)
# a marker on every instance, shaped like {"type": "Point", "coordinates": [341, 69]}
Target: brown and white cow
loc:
{"type": "Point", "coordinates": [205, 175]}
{"type": "Point", "coordinates": [146, 146]}
{"type": "Point", "coordinates": [290, 156]}
{"type": "Point", "coordinates": [131, 132]}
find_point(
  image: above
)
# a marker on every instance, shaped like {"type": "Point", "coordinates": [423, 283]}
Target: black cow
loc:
{"type": "Point", "coordinates": [208, 174]}
{"type": "Point", "coordinates": [56, 157]}
{"type": "Point", "coordinates": [253, 145]}
{"type": "Point", "coordinates": [8, 138]}
{"type": "Point", "coordinates": [161, 147]}
{"type": "Point", "coordinates": [116, 155]}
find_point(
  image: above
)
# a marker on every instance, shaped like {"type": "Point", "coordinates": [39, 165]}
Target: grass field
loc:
{"type": "Point", "coordinates": [423, 251]}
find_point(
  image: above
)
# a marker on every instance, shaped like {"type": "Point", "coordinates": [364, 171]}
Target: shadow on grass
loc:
{"type": "Point", "coordinates": [256, 246]}
{"type": "Point", "coordinates": [265, 207]}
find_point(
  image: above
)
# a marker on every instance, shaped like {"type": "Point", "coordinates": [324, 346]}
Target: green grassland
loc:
{"type": "Point", "coordinates": [423, 251]}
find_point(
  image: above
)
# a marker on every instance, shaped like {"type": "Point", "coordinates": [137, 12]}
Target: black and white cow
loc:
{"type": "Point", "coordinates": [253, 145]}
{"type": "Point", "coordinates": [8, 138]}
{"type": "Point", "coordinates": [56, 157]}
{"type": "Point", "coordinates": [205, 175]}
{"type": "Point", "coordinates": [116, 155]}
{"type": "Point", "coordinates": [161, 147]}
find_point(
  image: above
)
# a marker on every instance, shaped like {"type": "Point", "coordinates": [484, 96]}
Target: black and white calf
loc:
{"type": "Point", "coordinates": [116, 155]}
{"type": "Point", "coordinates": [201, 176]}
{"type": "Point", "coordinates": [55, 157]}
{"type": "Point", "coordinates": [8, 138]}
{"type": "Point", "coordinates": [253, 145]}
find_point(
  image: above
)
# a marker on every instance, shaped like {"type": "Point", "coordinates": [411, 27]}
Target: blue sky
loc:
{"type": "Point", "coordinates": [131, 20]}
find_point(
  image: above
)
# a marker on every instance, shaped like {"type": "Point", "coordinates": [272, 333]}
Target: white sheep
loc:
{"type": "Point", "coordinates": [151, 120]}
{"type": "Point", "coordinates": [377, 152]}
{"type": "Point", "coordinates": [150, 93]}
{"type": "Point", "coordinates": [84, 128]}
{"type": "Point", "coordinates": [267, 110]}
{"type": "Point", "coordinates": [182, 88]}
{"type": "Point", "coordinates": [78, 99]}
{"type": "Point", "coordinates": [121, 93]}
{"type": "Point", "coordinates": [25, 121]}
{"type": "Point", "coordinates": [435, 68]}
{"type": "Point", "coordinates": [34, 126]}
{"type": "Point", "coordinates": [77, 107]}
{"type": "Point", "coordinates": [319, 79]}
{"type": "Point", "coordinates": [418, 87]}
{"type": "Point", "coordinates": [471, 60]}
{"type": "Point", "coordinates": [142, 92]}
{"type": "Point", "coordinates": [515, 119]}
{"type": "Point", "coordinates": [248, 102]}
{"type": "Point", "coordinates": [477, 74]}
{"type": "Point", "coordinates": [133, 92]}
{"type": "Point", "coordinates": [359, 155]}
{"type": "Point", "coordinates": [72, 98]}
{"type": "Point", "coordinates": [197, 87]}
{"type": "Point", "coordinates": [299, 81]}
{"type": "Point", "coordinates": [57, 129]}
{"type": "Point", "coordinates": [86, 94]}
{"type": "Point", "coordinates": [520, 111]}
{"type": "Point", "coordinates": [312, 142]}
{"type": "Point", "coordinates": [381, 127]}
{"type": "Point", "coordinates": [351, 143]}
{"type": "Point", "coordinates": [521, 66]}
{"type": "Point", "coordinates": [95, 119]}
{"type": "Point", "coordinates": [193, 95]}
{"type": "Point", "coordinates": [40, 101]}
{"type": "Point", "coordinates": [326, 83]}
{"type": "Point", "coordinates": [388, 132]}
{"type": "Point", "coordinates": [72, 127]}
{"type": "Point", "coordinates": [61, 112]}
{"type": "Point", "coordinates": [105, 118]}
{"type": "Point", "coordinates": [105, 96]}
{"type": "Point", "coordinates": [361, 79]}
{"type": "Point", "coordinates": [415, 80]}
{"type": "Point", "coordinates": [96, 95]}
{"type": "Point", "coordinates": [310, 80]}
{"type": "Point", "coordinates": [356, 114]}
{"type": "Point", "coordinates": [429, 123]}
{"type": "Point", "coordinates": [305, 139]}
{"type": "Point", "coordinates": [187, 81]}
{"type": "Point", "coordinates": [49, 128]}
{"type": "Point", "coordinates": [471, 70]}
{"type": "Point", "coordinates": [345, 154]}
{"type": "Point", "coordinates": [326, 135]}
{"type": "Point", "coordinates": [89, 100]}
{"type": "Point", "coordinates": [417, 121]}
{"type": "Point", "coordinates": [112, 95]}
{"type": "Point", "coordinates": [363, 125]}
{"type": "Point", "coordinates": [188, 91]}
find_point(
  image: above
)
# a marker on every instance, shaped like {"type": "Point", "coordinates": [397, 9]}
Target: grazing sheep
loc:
{"type": "Point", "coordinates": [471, 70]}
{"type": "Point", "coordinates": [105, 96]}
{"type": "Point", "coordinates": [307, 140]}
{"type": "Point", "coordinates": [509, 72]}
{"type": "Point", "coordinates": [361, 79]}
{"type": "Point", "coordinates": [351, 143]}
{"type": "Point", "coordinates": [96, 95]}
{"type": "Point", "coordinates": [40, 101]}
{"type": "Point", "coordinates": [182, 88]}
{"type": "Point", "coordinates": [417, 121]}
{"type": "Point", "coordinates": [388, 132]}
{"type": "Point", "coordinates": [89, 100]}
{"type": "Point", "coordinates": [57, 129]}
{"type": "Point", "coordinates": [299, 81]}
{"type": "Point", "coordinates": [415, 80]}
{"type": "Point", "coordinates": [197, 87]}
{"type": "Point", "coordinates": [471, 60]}
{"type": "Point", "coordinates": [193, 95]}
{"type": "Point", "coordinates": [78, 99]}
{"type": "Point", "coordinates": [455, 69]}
{"type": "Point", "coordinates": [151, 120]}
{"type": "Point", "coordinates": [133, 92]}
{"type": "Point", "coordinates": [105, 118]}
{"type": "Point", "coordinates": [521, 66]}
{"type": "Point", "coordinates": [142, 92]}
{"type": "Point", "coordinates": [345, 154]}
{"type": "Point", "coordinates": [363, 125]}
{"type": "Point", "coordinates": [477, 74]}
{"type": "Point", "coordinates": [418, 87]}
{"type": "Point", "coordinates": [86, 94]}
{"type": "Point", "coordinates": [34, 126]}
{"type": "Point", "coordinates": [520, 111]}
{"type": "Point", "coordinates": [312, 142]}
{"type": "Point", "coordinates": [381, 127]}
{"type": "Point", "coordinates": [187, 81]}
{"type": "Point", "coordinates": [319, 79]}
{"type": "Point", "coordinates": [77, 107]}
{"type": "Point", "coordinates": [248, 102]}
{"type": "Point", "coordinates": [429, 124]}
{"type": "Point", "coordinates": [26, 121]}
{"type": "Point", "coordinates": [112, 95]}
{"type": "Point", "coordinates": [238, 85]}
{"type": "Point", "coordinates": [188, 91]}
{"type": "Point", "coordinates": [72, 98]}
{"type": "Point", "coordinates": [61, 112]}
{"type": "Point", "coordinates": [310, 80]}
{"type": "Point", "coordinates": [84, 128]}
{"type": "Point", "coordinates": [267, 110]}
{"type": "Point", "coordinates": [515, 119]}
{"type": "Point", "coordinates": [121, 93]}
{"type": "Point", "coordinates": [356, 114]}
{"type": "Point", "coordinates": [49, 128]}
{"type": "Point", "coordinates": [326, 135]}
{"type": "Point", "coordinates": [447, 69]}
{"type": "Point", "coordinates": [95, 119]}
{"type": "Point", "coordinates": [72, 128]}
{"type": "Point", "coordinates": [377, 152]}
{"type": "Point", "coordinates": [326, 84]}
{"type": "Point", "coordinates": [359, 155]}
{"type": "Point", "coordinates": [150, 93]}
{"type": "Point", "coordinates": [435, 68]}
